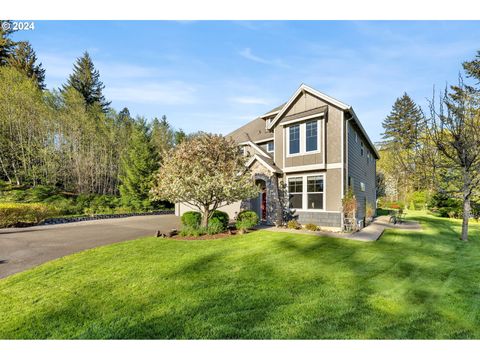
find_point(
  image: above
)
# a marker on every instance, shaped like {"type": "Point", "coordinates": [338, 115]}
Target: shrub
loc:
{"type": "Point", "coordinates": [191, 219]}
{"type": "Point", "coordinates": [369, 210]}
{"type": "Point", "coordinates": [215, 226]}
{"type": "Point", "coordinates": [294, 224]}
{"type": "Point", "coordinates": [222, 217]}
{"type": "Point", "coordinates": [192, 231]}
{"type": "Point", "coordinates": [246, 219]}
{"type": "Point", "coordinates": [349, 204]}
{"type": "Point", "coordinates": [311, 227]}
{"type": "Point", "coordinates": [12, 214]}
{"type": "Point", "coordinates": [445, 206]}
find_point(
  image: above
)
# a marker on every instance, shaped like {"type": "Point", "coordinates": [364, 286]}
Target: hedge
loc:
{"type": "Point", "coordinates": [22, 214]}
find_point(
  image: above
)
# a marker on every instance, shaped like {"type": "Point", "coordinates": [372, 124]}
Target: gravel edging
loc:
{"type": "Point", "coordinates": [54, 221]}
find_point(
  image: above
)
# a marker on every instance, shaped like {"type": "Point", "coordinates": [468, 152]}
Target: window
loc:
{"type": "Point", "coordinates": [315, 192]}
{"type": "Point", "coordinates": [362, 148]}
{"type": "Point", "coordinates": [368, 157]}
{"type": "Point", "coordinates": [303, 138]}
{"type": "Point", "coordinates": [295, 191]}
{"type": "Point", "coordinates": [356, 137]}
{"type": "Point", "coordinates": [362, 186]}
{"type": "Point", "coordinates": [311, 136]}
{"type": "Point", "coordinates": [350, 182]}
{"type": "Point", "coordinates": [294, 139]}
{"type": "Point", "coordinates": [270, 146]}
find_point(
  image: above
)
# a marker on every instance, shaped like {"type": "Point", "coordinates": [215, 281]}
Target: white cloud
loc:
{"type": "Point", "coordinates": [247, 54]}
{"type": "Point", "coordinates": [249, 100]}
{"type": "Point", "coordinates": [169, 93]}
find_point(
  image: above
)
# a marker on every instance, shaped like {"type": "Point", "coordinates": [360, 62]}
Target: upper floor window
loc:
{"type": "Point", "coordinates": [270, 146]}
{"type": "Point", "coordinates": [362, 149]}
{"type": "Point", "coordinates": [311, 136]}
{"type": "Point", "coordinates": [294, 139]}
{"type": "Point", "coordinates": [303, 138]}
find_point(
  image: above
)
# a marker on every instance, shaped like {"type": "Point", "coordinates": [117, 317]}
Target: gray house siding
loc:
{"type": "Point", "coordinates": [361, 169]}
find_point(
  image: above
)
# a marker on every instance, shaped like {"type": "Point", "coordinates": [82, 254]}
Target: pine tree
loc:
{"type": "Point", "coordinates": [404, 124]}
{"type": "Point", "coordinates": [138, 165]}
{"type": "Point", "coordinates": [472, 68]}
{"type": "Point", "coordinates": [403, 128]}
{"type": "Point", "coordinates": [86, 80]}
{"type": "Point", "coordinates": [163, 136]}
{"type": "Point", "coordinates": [6, 44]}
{"type": "Point", "coordinates": [24, 59]}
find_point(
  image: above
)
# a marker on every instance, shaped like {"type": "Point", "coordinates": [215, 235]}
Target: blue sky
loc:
{"type": "Point", "coordinates": [216, 76]}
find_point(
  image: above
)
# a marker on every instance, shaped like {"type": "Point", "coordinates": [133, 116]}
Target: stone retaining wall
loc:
{"type": "Point", "coordinates": [54, 221]}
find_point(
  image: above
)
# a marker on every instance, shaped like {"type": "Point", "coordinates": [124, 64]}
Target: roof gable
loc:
{"type": "Point", "coordinates": [304, 88]}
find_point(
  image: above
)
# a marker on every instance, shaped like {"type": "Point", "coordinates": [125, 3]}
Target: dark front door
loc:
{"type": "Point", "coordinates": [263, 206]}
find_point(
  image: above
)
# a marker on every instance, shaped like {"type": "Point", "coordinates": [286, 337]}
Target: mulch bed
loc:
{"type": "Point", "coordinates": [203, 237]}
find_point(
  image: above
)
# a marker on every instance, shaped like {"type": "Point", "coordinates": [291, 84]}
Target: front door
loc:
{"type": "Point", "coordinates": [263, 206]}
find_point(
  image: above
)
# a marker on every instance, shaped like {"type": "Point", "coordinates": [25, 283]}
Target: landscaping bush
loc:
{"type": "Point", "coordinates": [192, 231]}
{"type": "Point", "coordinates": [246, 219]}
{"type": "Point", "coordinates": [215, 226]}
{"type": "Point", "coordinates": [294, 224]}
{"type": "Point", "coordinates": [311, 227]}
{"type": "Point", "coordinates": [191, 219]}
{"type": "Point", "coordinates": [444, 205]}
{"type": "Point", "coordinates": [14, 214]}
{"type": "Point", "coordinates": [222, 217]}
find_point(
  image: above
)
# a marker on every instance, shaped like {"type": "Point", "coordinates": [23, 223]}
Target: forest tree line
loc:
{"type": "Point", "coordinates": [71, 138]}
{"type": "Point", "coordinates": [430, 158]}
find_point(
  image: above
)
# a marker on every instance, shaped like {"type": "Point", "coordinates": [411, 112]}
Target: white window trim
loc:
{"type": "Point", "coordinates": [303, 138]}
{"type": "Point", "coordinates": [273, 143]}
{"type": "Point", "coordinates": [305, 194]}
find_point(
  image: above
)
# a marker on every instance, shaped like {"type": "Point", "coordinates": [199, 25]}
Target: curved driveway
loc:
{"type": "Point", "coordinates": [24, 248]}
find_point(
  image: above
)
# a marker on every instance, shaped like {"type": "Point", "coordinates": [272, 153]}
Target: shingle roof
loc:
{"type": "Point", "coordinates": [252, 131]}
{"type": "Point", "coordinates": [278, 108]}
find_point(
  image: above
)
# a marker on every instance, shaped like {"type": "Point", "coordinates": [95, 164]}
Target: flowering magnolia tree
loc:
{"type": "Point", "coordinates": [205, 172]}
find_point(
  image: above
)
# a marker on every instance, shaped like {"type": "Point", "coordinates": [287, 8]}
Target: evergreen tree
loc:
{"type": "Point", "coordinates": [472, 68]}
{"type": "Point", "coordinates": [6, 44]}
{"type": "Point", "coordinates": [24, 59]}
{"type": "Point", "coordinates": [138, 165]}
{"type": "Point", "coordinates": [180, 136]}
{"type": "Point", "coordinates": [404, 124]}
{"type": "Point", "coordinates": [403, 129]}
{"type": "Point", "coordinates": [163, 136]}
{"type": "Point", "coordinates": [86, 80]}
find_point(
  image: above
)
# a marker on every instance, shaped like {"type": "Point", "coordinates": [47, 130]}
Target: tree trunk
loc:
{"type": "Point", "coordinates": [205, 216]}
{"type": "Point", "coordinates": [466, 216]}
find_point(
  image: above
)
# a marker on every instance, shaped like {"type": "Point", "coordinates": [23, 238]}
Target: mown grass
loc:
{"type": "Point", "coordinates": [415, 285]}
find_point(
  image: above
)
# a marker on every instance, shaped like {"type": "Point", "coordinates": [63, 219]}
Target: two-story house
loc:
{"type": "Point", "coordinates": [313, 147]}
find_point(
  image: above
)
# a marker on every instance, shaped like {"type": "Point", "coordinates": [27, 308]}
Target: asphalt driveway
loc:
{"type": "Point", "coordinates": [24, 248]}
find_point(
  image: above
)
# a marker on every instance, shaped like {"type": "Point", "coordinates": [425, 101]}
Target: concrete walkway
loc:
{"type": "Point", "coordinates": [370, 233]}
{"type": "Point", "coordinates": [24, 248]}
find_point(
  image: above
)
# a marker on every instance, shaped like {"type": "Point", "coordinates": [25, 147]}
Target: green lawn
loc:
{"type": "Point", "coordinates": [261, 285]}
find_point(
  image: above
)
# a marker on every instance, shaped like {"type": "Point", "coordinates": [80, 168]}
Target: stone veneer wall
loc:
{"type": "Point", "coordinates": [328, 219]}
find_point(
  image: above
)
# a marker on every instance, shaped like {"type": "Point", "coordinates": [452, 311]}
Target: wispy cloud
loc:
{"type": "Point", "coordinates": [250, 100]}
{"type": "Point", "coordinates": [171, 93]}
{"type": "Point", "coordinates": [248, 54]}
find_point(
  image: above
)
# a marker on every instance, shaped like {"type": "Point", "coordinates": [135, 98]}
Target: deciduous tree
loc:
{"type": "Point", "coordinates": [206, 172]}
